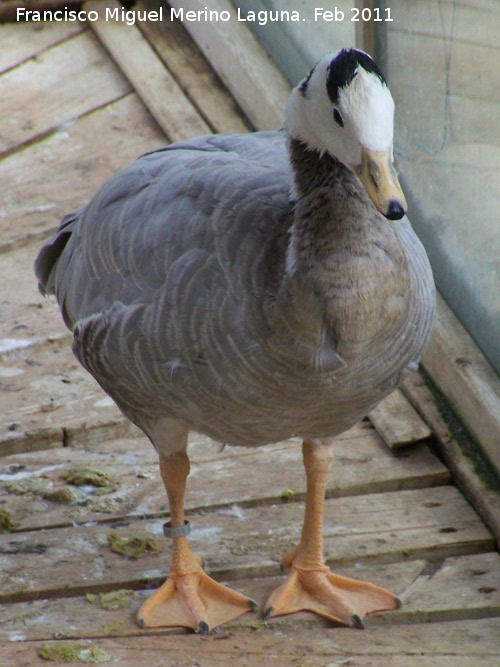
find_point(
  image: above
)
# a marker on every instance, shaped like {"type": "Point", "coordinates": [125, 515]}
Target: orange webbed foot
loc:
{"type": "Point", "coordinates": [337, 598]}
{"type": "Point", "coordinates": [310, 585]}
{"type": "Point", "coordinates": [189, 597]}
{"type": "Point", "coordinates": [193, 600]}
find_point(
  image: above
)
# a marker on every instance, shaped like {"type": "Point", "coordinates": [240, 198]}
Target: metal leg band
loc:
{"type": "Point", "coordinates": [176, 531]}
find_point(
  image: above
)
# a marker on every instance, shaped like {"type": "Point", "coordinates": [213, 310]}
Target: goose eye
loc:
{"type": "Point", "coordinates": [338, 118]}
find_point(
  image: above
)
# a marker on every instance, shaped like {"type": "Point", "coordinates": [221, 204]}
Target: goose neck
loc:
{"type": "Point", "coordinates": [312, 169]}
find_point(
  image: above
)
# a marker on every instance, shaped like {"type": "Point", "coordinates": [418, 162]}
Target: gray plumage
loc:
{"type": "Point", "coordinates": [241, 287]}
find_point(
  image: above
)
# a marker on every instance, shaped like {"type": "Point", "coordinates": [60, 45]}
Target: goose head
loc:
{"type": "Point", "coordinates": [344, 107]}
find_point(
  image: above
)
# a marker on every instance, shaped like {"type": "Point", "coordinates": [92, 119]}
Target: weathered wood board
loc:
{"type": "Point", "coordinates": [236, 543]}
{"type": "Point", "coordinates": [464, 587]}
{"type": "Point", "coordinates": [242, 64]}
{"type": "Point", "coordinates": [469, 382]}
{"type": "Point", "coordinates": [451, 644]}
{"type": "Point", "coordinates": [152, 81]}
{"type": "Point", "coordinates": [83, 75]}
{"type": "Point", "coordinates": [398, 422]}
{"type": "Point", "coordinates": [57, 394]}
{"type": "Point", "coordinates": [470, 473]}
{"type": "Point", "coordinates": [198, 80]}
{"type": "Point", "coordinates": [71, 166]}
{"type": "Point", "coordinates": [22, 41]}
{"type": "Point", "coordinates": [362, 465]}
{"type": "Point", "coordinates": [28, 319]}
{"type": "Point", "coordinates": [77, 617]}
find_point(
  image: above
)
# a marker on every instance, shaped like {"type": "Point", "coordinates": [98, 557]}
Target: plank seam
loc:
{"type": "Point", "coordinates": [185, 89]}
{"type": "Point", "coordinates": [11, 68]}
{"type": "Point", "coordinates": [38, 138]}
{"type": "Point", "coordinates": [470, 470]}
{"type": "Point", "coordinates": [389, 486]}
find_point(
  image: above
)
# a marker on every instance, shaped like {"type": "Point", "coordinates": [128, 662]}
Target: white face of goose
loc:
{"type": "Point", "coordinates": [345, 108]}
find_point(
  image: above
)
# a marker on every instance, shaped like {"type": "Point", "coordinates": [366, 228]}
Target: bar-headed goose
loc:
{"type": "Point", "coordinates": [252, 288]}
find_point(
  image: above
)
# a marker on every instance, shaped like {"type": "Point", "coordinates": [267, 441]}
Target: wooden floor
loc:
{"type": "Point", "coordinates": [73, 472]}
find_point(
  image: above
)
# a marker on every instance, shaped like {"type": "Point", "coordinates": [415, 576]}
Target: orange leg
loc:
{"type": "Point", "coordinates": [189, 597]}
{"type": "Point", "coordinates": [310, 584]}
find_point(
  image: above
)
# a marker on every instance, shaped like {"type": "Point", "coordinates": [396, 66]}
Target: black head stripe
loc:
{"type": "Point", "coordinates": [342, 71]}
{"type": "Point", "coordinates": [305, 82]}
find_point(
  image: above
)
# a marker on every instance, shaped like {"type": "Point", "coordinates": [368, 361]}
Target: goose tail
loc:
{"type": "Point", "coordinates": [48, 257]}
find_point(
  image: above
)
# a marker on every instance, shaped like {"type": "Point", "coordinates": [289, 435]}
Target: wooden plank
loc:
{"type": "Point", "coordinates": [454, 638]}
{"type": "Point", "coordinates": [77, 618]}
{"type": "Point", "coordinates": [197, 79]}
{"type": "Point", "coordinates": [463, 374]}
{"type": "Point", "coordinates": [235, 54]}
{"type": "Point", "coordinates": [464, 587]}
{"type": "Point", "coordinates": [397, 422]}
{"type": "Point", "coordinates": [27, 318]}
{"type": "Point", "coordinates": [45, 388]}
{"type": "Point", "coordinates": [432, 524]}
{"type": "Point", "coordinates": [454, 644]}
{"type": "Point", "coordinates": [34, 195]}
{"type": "Point", "coordinates": [381, 528]}
{"type": "Point", "coordinates": [218, 479]}
{"type": "Point", "coordinates": [31, 440]}
{"type": "Point", "coordinates": [153, 83]}
{"type": "Point", "coordinates": [21, 41]}
{"type": "Point", "coordinates": [85, 79]}
{"type": "Point", "coordinates": [478, 484]}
